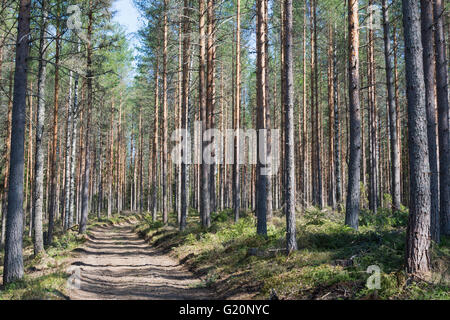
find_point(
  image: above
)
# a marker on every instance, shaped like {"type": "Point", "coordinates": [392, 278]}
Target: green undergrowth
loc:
{"type": "Point", "coordinates": [331, 262]}
{"type": "Point", "coordinates": [46, 275]}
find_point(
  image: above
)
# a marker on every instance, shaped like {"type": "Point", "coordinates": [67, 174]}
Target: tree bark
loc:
{"type": "Point", "coordinates": [393, 115]}
{"type": "Point", "coordinates": [337, 159]}
{"type": "Point", "coordinates": [205, 208]}
{"type": "Point", "coordinates": [185, 107]}
{"type": "Point", "coordinates": [236, 116]}
{"type": "Point", "coordinates": [68, 140]}
{"type": "Point", "coordinates": [429, 69]}
{"type": "Point", "coordinates": [74, 137]}
{"type": "Point", "coordinates": [443, 116]}
{"type": "Point", "coordinates": [156, 143]}
{"type": "Point", "coordinates": [353, 187]}
{"type": "Point", "coordinates": [291, 243]}
{"type": "Point", "coordinates": [418, 231]}
{"type": "Point", "coordinates": [13, 259]}
{"type": "Point", "coordinates": [373, 119]}
{"type": "Point", "coordinates": [38, 186]}
{"type": "Point", "coordinates": [210, 97]}
{"type": "Point", "coordinates": [165, 115]}
{"type": "Point", "coordinates": [88, 105]}
{"type": "Point", "coordinates": [8, 152]}
{"type": "Point", "coordinates": [261, 179]}
{"type": "Point", "coordinates": [52, 211]}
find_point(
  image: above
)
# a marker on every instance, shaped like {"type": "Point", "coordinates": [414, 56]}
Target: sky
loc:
{"type": "Point", "coordinates": [128, 16]}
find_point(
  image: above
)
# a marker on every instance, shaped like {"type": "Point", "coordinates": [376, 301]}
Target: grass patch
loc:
{"type": "Point", "coordinates": [331, 262]}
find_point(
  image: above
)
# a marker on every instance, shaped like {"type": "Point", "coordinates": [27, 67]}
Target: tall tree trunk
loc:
{"type": "Point", "coordinates": [210, 97]}
{"type": "Point", "coordinates": [73, 155]}
{"type": "Point", "coordinates": [8, 152]}
{"type": "Point", "coordinates": [185, 107]}
{"type": "Point", "coordinates": [205, 192]}
{"type": "Point", "coordinates": [353, 188]}
{"type": "Point", "coordinates": [165, 115]}
{"type": "Point", "coordinates": [68, 143]}
{"type": "Point", "coordinates": [305, 180]}
{"type": "Point", "coordinates": [87, 160]}
{"type": "Point", "coordinates": [141, 145]}
{"type": "Point", "coordinates": [269, 157]}
{"type": "Point", "coordinates": [291, 243]}
{"type": "Point", "coordinates": [52, 211]}
{"type": "Point", "coordinates": [178, 119]}
{"type": "Point", "coordinates": [337, 160]}
{"type": "Point", "coordinates": [261, 178]}
{"type": "Point", "coordinates": [38, 186]}
{"type": "Point", "coordinates": [443, 116]}
{"type": "Point", "coordinates": [418, 231]}
{"type": "Point", "coordinates": [393, 115]}
{"type": "Point", "coordinates": [110, 162]}
{"type": "Point", "coordinates": [13, 259]}
{"type": "Point", "coordinates": [28, 173]}
{"type": "Point", "coordinates": [429, 69]}
{"type": "Point", "coordinates": [156, 144]}
{"type": "Point", "coordinates": [331, 88]}
{"type": "Point", "coordinates": [373, 117]}
{"type": "Point", "coordinates": [236, 117]}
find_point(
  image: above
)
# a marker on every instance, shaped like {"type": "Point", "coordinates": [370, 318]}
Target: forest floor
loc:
{"type": "Point", "coordinates": [131, 257]}
{"type": "Point", "coordinates": [110, 262]}
{"type": "Point", "coordinates": [332, 261]}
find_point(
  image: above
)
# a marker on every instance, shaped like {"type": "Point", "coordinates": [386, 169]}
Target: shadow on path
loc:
{"type": "Point", "coordinates": [116, 264]}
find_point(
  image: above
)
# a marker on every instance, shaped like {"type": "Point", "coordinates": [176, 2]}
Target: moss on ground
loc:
{"type": "Point", "coordinates": [331, 262]}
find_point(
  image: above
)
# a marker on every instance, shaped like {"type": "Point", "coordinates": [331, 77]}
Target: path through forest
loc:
{"type": "Point", "coordinates": [116, 264]}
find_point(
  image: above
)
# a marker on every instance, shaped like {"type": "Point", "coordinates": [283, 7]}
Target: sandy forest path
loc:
{"type": "Point", "coordinates": [115, 264]}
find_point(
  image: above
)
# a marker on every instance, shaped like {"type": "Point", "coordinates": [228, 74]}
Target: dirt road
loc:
{"type": "Point", "coordinates": [116, 264]}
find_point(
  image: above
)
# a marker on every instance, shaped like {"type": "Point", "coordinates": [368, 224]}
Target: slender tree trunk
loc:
{"type": "Point", "coordinates": [179, 120]}
{"type": "Point", "coordinates": [68, 143]}
{"type": "Point", "coordinates": [156, 144]}
{"type": "Point", "coordinates": [205, 208]}
{"type": "Point", "coordinates": [269, 158]}
{"type": "Point", "coordinates": [331, 88]}
{"type": "Point", "coordinates": [13, 259]}
{"type": "Point", "coordinates": [337, 160]}
{"type": "Point", "coordinates": [443, 116]}
{"type": "Point", "coordinates": [28, 174]}
{"type": "Point", "coordinates": [31, 165]}
{"type": "Point", "coordinates": [373, 118]}
{"type": "Point", "coordinates": [418, 231]}
{"type": "Point", "coordinates": [165, 116]}
{"type": "Point", "coordinates": [393, 115]}
{"type": "Point", "coordinates": [261, 178]}
{"type": "Point", "coordinates": [185, 107]}
{"type": "Point", "coordinates": [87, 163]}
{"type": "Point", "coordinates": [141, 145]}
{"type": "Point", "coordinates": [236, 116]}
{"type": "Point", "coordinates": [8, 152]}
{"type": "Point", "coordinates": [305, 148]}
{"type": "Point", "coordinates": [430, 100]}
{"type": "Point", "coordinates": [353, 188]}
{"type": "Point", "coordinates": [73, 152]}
{"type": "Point", "coordinates": [291, 243]}
{"type": "Point", "coordinates": [52, 211]}
{"type": "Point", "coordinates": [210, 97]}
